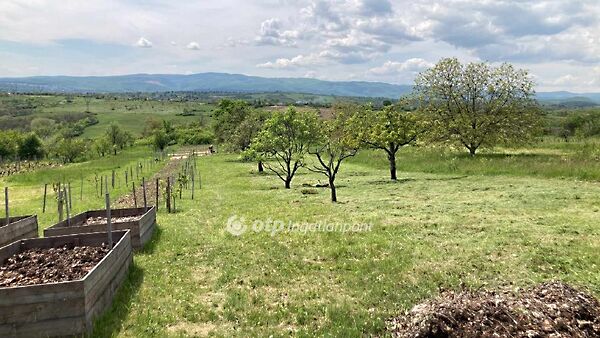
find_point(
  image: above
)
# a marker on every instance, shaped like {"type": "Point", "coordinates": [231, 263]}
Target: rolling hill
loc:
{"type": "Point", "coordinates": [237, 83]}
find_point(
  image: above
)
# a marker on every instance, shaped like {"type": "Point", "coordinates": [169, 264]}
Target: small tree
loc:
{"type": "Point", "coordinates": [477, 104]}
{"type": "Point", "coordinates": [338, 141]}
{"type": "Point", "coordinates": [118, 137]}
{"type": "Point", "coordinates": [389, 130]}
{"type": "Point", "coordinates": [250, 126]}
{"type": "Point", "coordinates": [30, 147]}
{"type": "Point", "coordinates": [285, 140]}
{"type": "Point", "coordinates": [160, 140]}
{"type": "Point", "coordinates": [9, 143]}
{"type": "Point", "coordinates": [43, 127]}
{"type": "Point", "coordinates": [102, 146]}
{"type": "Point", "coordinates": [68, 150]}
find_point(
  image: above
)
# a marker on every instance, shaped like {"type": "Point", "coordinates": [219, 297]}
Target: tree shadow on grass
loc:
{"type": "Point", "coordinates": [111, 322]}
{"type": "Point", "coordinates": [499, 156]}
{"type": "Point", "coordinates": [389, 181]}
{"type": "Point", "coordinates": [447, 178]}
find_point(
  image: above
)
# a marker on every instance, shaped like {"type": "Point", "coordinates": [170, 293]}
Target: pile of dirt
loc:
{"type": "Point", "coordinates": [102, 220]}
{"type": "Point", "coordinates": [40, 266]}
{"type": "Point", "coordinates": [551, 309]}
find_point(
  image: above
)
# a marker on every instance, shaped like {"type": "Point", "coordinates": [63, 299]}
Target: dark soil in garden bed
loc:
{"type": "Point", "coordinates": [40, 266]}
{"type": "Point", "coordinates": [548, 310]}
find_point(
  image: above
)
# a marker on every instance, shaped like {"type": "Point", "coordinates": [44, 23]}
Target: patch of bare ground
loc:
{"type": "Point", "coordinates": [553, 310]}
{"type": "Point", "coordinates": [193, 329]}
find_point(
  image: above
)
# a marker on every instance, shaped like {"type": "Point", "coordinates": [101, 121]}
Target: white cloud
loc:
{"type": "Point", "coordinates": [414, 65]}
{"type": "Point", "coordinates": [143, 43]}
{"type": "Point", "coordinates": [297, 61]}
{"type": "Point", "coordinates": [271, 33]}
{"type": "Point", "coordinates": [193, 45]}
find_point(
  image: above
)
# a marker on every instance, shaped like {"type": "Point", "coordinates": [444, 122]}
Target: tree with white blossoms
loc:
{"type": "Point", "coordinates": [477, 104]}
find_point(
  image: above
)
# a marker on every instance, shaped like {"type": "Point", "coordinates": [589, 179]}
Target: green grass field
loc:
{"type": "Point", "coordinates": [504, 219]}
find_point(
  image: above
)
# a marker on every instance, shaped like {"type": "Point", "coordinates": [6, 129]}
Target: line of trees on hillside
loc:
{"type": "Point", "coordinates": [474, 105]}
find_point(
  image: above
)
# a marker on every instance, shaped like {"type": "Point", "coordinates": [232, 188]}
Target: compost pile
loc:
{"type": "Point", "coordinates": [551, 309]}
{"type": "Point", "coordinates": [40, 266]}
{"type": "Point", "coordinates": [102, 220]}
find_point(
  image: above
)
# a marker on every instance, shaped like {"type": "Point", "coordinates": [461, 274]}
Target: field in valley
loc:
{"type": "Point", "coordinates": [509, 218]}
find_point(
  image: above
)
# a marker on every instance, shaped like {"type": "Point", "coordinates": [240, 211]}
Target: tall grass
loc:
{"type": "Point", "coordinates": [549, 159]}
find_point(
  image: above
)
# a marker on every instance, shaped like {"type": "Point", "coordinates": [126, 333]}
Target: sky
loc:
{"type": "Point", "coordinates": [558, 41]}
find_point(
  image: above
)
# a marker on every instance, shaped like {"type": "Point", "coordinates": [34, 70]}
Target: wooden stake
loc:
{"type": "Point", "coordinates": [126, 178]}
{"type": "Point", "coordinates": [193, 187]}
{"type": "Point", "coordinates": [70, 200]}
{"type": "Point", "coordinates": [108, 221]}
{"type": "Point", "coordinates": [60, 205]}
{"type": "Point", "coordinates": [134, 196]}
{"type": "Point", "coordinates": [113, 179]}
{"type": "Point", "coordinates": [168, 199]}
{"type": "Point", "coordinates": [67, 207]}
{"type": "Point", "coordinates": [157, 191]}
{"type": "Point", "coordinates": [45, 193]}
{"type": "Point", "coordinates": [144, 190]}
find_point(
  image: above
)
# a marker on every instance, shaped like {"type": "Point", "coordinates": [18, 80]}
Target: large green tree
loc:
{"type": "Point", "coordinates": [247, 130]}
{"type": "Point", "coordinates": [227, 118]}
{"type": "Point", "coordinates": [338, 141]}
{"type": "Point", "coordinates": [236, 123]}
{"type": "Point", "coordinates": [477, 104]}
{"type": "Point", "coordinates": [389, 130]}
{"type": "Point", "coordinates": [284, 142]}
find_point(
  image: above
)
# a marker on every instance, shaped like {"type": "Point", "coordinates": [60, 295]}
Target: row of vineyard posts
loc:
{"type": "Point", "coordinates": [166, 188]}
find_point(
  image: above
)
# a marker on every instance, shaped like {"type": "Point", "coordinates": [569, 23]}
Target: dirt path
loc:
{"type": "Point", "coordinates": [171, 169]}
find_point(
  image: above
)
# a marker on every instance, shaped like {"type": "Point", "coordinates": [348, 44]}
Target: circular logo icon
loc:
{"type": "Point", "coordinates": [236, 226]}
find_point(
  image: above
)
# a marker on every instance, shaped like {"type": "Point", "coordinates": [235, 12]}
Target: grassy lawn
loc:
{"type": "Point", "coordinates": [430, 230]}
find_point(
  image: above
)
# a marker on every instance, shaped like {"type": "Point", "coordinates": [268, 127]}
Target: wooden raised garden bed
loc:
{"type": "Point", "coordinates": [68, 307]}
{"type": "Point", "coordinates": [140, 221]}
{"type": "Point", "coordinates": [19, 227]}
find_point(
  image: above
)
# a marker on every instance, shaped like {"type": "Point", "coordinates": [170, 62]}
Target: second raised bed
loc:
{"type": "Point", "coordinates": [19, 227]}
{"type": "Point", "coordinates": [140, 221]}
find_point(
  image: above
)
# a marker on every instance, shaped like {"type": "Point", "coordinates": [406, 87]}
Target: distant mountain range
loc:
{"type": "Point", "coordinates": [203, 82]}
{"type": "Point", "coordinates": [222, 82]}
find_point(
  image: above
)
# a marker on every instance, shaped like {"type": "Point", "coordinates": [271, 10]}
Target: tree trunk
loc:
{"type": "Point", "coordinates": [333, 192]}
{"type": "Point", "coordinates": [260, 167]}
{"type": "Point", "coordinates": [472, 151]}
{"type": "Point", "coordinates": [392, 159]}
{"type": "Point", "coordinates": [288, 183]}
